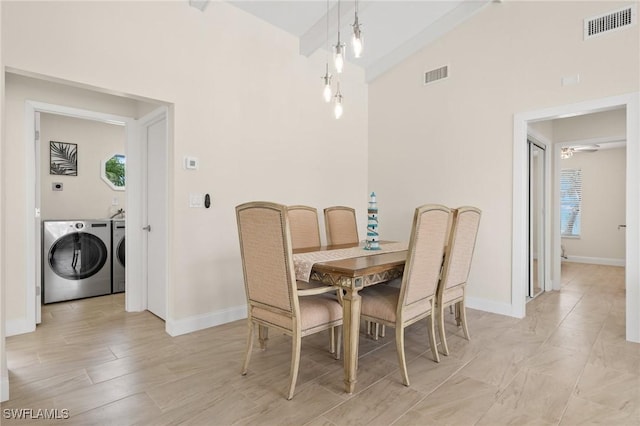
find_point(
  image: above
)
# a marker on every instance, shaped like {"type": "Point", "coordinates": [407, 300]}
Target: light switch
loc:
{"type": "Point", "coordinates": [195, 200]}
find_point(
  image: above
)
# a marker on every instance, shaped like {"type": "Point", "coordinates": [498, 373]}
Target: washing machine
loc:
{"type": "Point", "coordinates": [76, 259]}
{"type": "Point", "coordinates": [117, 256]}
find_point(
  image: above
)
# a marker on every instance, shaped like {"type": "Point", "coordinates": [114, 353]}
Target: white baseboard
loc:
{"type": "Point", "coordinates": [595, 260]}
{"type": "Point", "coordinates": [489, 306]}
{"type": "Point", "coordinates": [19, 326]}
{"type": "Point", "coordinates": [4, 388]}
{"type": "Point", "coordinates": [211, 319]}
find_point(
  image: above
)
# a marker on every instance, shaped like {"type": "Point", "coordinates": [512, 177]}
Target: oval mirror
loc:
{"type": "Point", "coordinates": [113, 171]}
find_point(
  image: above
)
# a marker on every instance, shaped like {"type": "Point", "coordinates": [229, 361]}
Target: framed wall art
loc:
{"type": "Point", "coordinates": [64, 158]}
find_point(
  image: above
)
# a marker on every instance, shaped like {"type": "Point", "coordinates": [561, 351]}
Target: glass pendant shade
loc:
{"type": "Point", "coordinates": [338, 56]}
{"type": "Point", "coordinates": [356, 42]}
{"type": "Point", "coordinates": [337, 110]}
{"type": "Point", "coordinates": [356, 39]}
{"type": "Point", "coordinates": [326, 93]}
{"type": "Point", "coordinates": [337, 103]}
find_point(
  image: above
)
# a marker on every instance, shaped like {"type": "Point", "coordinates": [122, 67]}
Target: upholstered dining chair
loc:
{"type": "Point", "coordinates": [303, 224]}
{"type": "Point", "coordinates": [273, 298]}
{"type": "Point", "coordinates": [415, 299]}
{"type": "Point", "coordinates": [455, 270]}
{"type": "Point", "coordinates": [305, 233]}
{"type": "Point", "coordinates": [341, 225]}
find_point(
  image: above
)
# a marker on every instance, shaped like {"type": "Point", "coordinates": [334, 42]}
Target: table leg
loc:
{"type": "Point", "coordinates": [350, 335]}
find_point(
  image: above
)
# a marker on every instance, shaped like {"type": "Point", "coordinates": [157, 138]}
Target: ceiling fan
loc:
{"type": "Point", "coordinates": [568, 151]}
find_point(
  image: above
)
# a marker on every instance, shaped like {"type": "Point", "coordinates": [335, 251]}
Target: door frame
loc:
{"type": "Point", "coordinates": [134, 299]}
{"type": "Point", "coordinates": [137, 247]}
{"type": "Point", "coordinates": [631, 102]}
{"type": "Point", "coordinates": [544, 144]}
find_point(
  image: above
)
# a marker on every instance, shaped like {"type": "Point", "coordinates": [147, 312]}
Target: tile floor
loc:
{"type": "Point", "coordinates": [566, 363]}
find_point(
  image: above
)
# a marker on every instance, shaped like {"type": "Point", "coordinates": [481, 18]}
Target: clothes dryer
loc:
{"type": "Point", "coordinates": [117, 256]}
{"type": "Point", "coordinates": [76, 259]}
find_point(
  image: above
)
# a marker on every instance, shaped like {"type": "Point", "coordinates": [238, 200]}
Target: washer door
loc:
{"type": "Point", "coordinates": [77, 256]}
{"type": "Point", "coordinates": [120, 252]}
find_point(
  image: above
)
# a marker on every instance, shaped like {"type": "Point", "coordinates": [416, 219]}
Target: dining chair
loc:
{"type": "Point", "coordinates": [415, 299]}
{"type": "Point", "coordinates": [273, 298]}
{"type": "Point", "coordinates": [303, 224]}
{"type": "Point", "coordinates": [305, 233]}
{"type": "Point", "coordinates": [342, 228]}
{"type": "Point", "coordinates": [455, 269]}
{"type": "Point", "coordinates": [341, 225]}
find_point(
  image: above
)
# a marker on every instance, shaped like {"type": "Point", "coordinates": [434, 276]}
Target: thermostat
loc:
{"type": "Point", "coordinates": [191, 163]}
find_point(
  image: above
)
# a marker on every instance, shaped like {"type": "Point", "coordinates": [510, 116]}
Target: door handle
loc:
{"type": "Point", "coordinates": [621, 226]}
{"type": "Point", "coordinates": [147, 228]}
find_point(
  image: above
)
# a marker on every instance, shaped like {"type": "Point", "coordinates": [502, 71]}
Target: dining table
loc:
{"type": "Point", "coordinates": [351, 267]}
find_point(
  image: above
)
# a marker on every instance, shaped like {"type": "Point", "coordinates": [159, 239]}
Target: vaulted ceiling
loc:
{"type": "Point", "coordinates": [392, 30]}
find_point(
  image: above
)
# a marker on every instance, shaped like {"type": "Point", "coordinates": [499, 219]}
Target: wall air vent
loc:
{"type": "Point", "coordinates": [611, 21]}
{"type": "Point", "coordinates": [437, 74]}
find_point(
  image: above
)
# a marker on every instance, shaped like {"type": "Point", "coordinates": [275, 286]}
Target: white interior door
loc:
{"type": "Point", "coordinates": [154, 133]}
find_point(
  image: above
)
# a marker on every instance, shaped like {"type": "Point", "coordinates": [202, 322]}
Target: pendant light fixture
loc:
{"type": "Point", "coordinates": [356, 39]}
{"type": "Point", "coordinates": [326, 93]}
{"type": "Point", "coordinates": [337, 103]}
{"type": "Point", "coordinates": [338, 52]}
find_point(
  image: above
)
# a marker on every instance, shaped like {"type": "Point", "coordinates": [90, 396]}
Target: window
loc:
{"type": "Point", "coordinates": [113, 171]}
{"type": "Point", "coordinates": [570, 202]}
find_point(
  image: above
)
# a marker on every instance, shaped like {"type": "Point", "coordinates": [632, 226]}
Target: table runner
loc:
{"type": "Point", "coordinates": [303, 262]}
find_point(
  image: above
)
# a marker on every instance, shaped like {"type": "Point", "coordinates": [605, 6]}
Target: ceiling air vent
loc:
{"type": "Point", "coordinates": [435, 75]}
{"type": "Point", "coordinates": [612, 21]}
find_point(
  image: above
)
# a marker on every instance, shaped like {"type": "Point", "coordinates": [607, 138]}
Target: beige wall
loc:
{"type": "Point", "coordinates": [451, 142]}
{"type": "Point", "coordinates": [243, 100]}
{"type": "Point", "coordinates": [608, 125]}
{"type": "Point", "coordinates": [603, 205]}
{"type": "Point", "coordinates": [86, 196]}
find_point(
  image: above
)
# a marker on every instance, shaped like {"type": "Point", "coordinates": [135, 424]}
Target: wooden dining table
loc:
{"type": "Point", "coordinates": [352, 275]}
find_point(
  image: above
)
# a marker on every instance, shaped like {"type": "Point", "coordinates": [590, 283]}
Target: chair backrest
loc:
{"type": "Point", "coordinates": [425, 254]}
{"type": "Point", "coordinates": [267, 261]}
{"type": "Point", "coordinates": [460, 247]}
{"type": "Point", "coordinates": [341, 225]}
{"type": "Point", "coordinates": [303, 224]}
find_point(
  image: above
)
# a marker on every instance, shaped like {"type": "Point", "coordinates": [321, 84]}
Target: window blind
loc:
{"type": "Point", "coordinates": [570, 202]}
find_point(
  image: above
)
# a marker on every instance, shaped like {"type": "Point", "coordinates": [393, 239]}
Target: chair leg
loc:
{"type": "Point", "coordinates": [443, 336]}
{"type": "Point", "coordinates": [338, 341]}
{"type": "Point", "coordinates": [296, 343]}
{"type": "Point", "coordinates": [332, 340]}
{"type": "Point", "coordinates": [463, 317]}
{"type": "Point", "coordinates": [247, 356]}
{"type": "Point", "coordinates": [382, 330]}
{"type": "Point", "coordinates": [458, 321]}
{"type": "Point", "coordinates": [263, 336]}
{"type": "Point", "coordinates": [401, 357]}
{"type": "Point", "coordinates": [432, 338]}
{"type": "Point", "coordinates": [376, 330]}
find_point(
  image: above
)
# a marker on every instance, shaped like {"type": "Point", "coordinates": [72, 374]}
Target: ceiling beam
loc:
{"type": "Point", "coordinates": [316, 37]}
{"type": "Point", "coordinates": [439, 28]}
{"type": "Point", "coordinates": [199, 4]}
